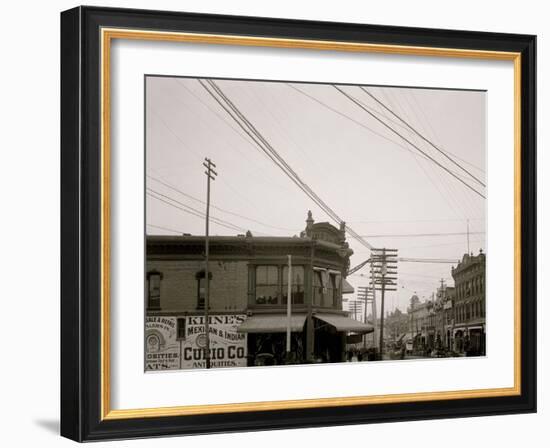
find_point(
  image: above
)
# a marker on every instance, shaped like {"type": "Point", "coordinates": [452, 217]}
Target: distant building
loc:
{"type": "Point", "coordinates": [443, 317]}
{"type": "Point", "coordinates": [419, 323]}
{"type": "Point", "coordinates": [248, 298]}
{"type": "Point", "coordinates": [396, 325]}
{"type": "Point", "coordinates": [447, 317]}
{"type": "Point", "coordinates": [469, 305]}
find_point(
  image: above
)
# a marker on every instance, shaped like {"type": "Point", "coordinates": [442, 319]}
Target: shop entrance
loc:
{"type": "Point", "coordinates": [269, 349]}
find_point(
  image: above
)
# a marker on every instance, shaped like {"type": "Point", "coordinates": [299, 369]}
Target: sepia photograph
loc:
{"type": "Point", "coordinates": [293, 223]}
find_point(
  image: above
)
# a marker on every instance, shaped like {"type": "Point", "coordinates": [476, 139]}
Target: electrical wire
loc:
{"type": "Point", "coordinates": [354, 100]}
{"type": "Point", "coordinates": [265, 146]}
{"type": "Point", "coordinates": [422, 136]}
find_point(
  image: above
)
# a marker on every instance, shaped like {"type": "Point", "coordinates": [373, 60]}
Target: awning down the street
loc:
{"type": "Point", "coordinates": [343, 323]}
{"type": "Point", "coordinates": [407, 337]}
{"type": "Point", "coordinates": [272, 323]}
{"type": "Point", "coordinates": [347, 288]}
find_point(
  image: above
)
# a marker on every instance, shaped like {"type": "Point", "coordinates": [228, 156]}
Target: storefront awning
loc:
{"type": "Point", "coordinates": [343, 323]}
{"type": "Point", "coordinates": [347, 288]}
{"type": "Point", "coordinates": [272, 323]}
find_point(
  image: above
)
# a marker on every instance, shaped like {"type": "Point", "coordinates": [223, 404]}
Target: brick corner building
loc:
{"type": "Point", "coordinates": [248, 298]}
{"type": "Point", "coordinates": [469, 306]}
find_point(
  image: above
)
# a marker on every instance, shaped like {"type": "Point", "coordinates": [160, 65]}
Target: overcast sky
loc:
{"type": "Point", "coordinates": [375, 181]}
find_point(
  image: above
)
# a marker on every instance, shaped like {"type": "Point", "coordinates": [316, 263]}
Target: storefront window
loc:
{"type": "Point", "coordinates": [267, 285]}
{"type": "Point", "coordinates": [297, 273]}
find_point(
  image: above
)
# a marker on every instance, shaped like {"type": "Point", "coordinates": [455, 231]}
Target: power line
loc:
{"type": "Point", "coordinates": [436, 180]}
{"type": "Point", "coordinates": [351, 98]}
{"type": "Point", "coordinates": [342, 114]}
{"type": "Point", "coordinates": [435, 136]}
{"type": "Point", "coordinates": [165, 228]}
{"type": "Point", "coordinates": [216, 207]}
{"type": "Point", "coordinates": [265, 146]}
{"type": "Point", "coordinates": [359, 123]}
{"type": "Point", "coordinates": [237, 132]}
{"type": "Point", "coordinates": [273, 152]}
{"type": "Point", "coordinates": [192, 211]}
{"type": "Point", "coordinates": [412, 220]}
{"type": "Point", "coordinates": [421, 136]}
{"type": "Point", "coordinates": [258, 145]}
{"type": "Point", "coordinates": [401, 235]}
{"type": "Point", "coordinates": [293, 175]}
{"type": "Point", "coordinates": [428, 260]}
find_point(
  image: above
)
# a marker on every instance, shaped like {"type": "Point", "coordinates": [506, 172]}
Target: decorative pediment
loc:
{"type": "Point", "coordinates": [326, 232]}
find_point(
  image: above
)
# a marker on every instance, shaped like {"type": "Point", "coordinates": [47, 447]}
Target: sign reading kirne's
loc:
{"type": "Point", "coordinates": [227, 347]}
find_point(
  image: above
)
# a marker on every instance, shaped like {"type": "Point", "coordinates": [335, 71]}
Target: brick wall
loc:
{"type": "Point", "coordinates": [178, 288]}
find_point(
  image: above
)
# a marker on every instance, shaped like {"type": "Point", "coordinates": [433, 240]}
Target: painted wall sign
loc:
{"type": "Point", "coordinates": [162, 349]}
{"type": "Point", "coordinates": [227, 347]}
{"type": "Point", "coordinates": [165, 351]}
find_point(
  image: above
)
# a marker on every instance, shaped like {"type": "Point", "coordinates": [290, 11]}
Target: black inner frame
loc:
{"type": "Point", "coordinates": [81, 224]}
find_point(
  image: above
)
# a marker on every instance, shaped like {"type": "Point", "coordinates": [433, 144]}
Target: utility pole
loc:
{"type": "Point", "coordinates": [383, 272]}
{"type": "Point", "coordinates": [384, 275]}
{"type": "Point", "coordinates": [210, 175]}
{"type": "Point", "coordinates": [365, 294]}
{"type": "Point", "coordinates": [374, 314]}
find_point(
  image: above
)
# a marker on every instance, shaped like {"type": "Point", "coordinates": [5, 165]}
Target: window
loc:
{"type": "Point", "coordinates": [267, 285]}
{"type": "Point", "coordinates": [181, 327]}
{"type": "Point", "coordinates": [153, 292]}
{"type": "Point", "coordinates": [201, 289]}
{"type": "Point", "coordinates": [319, 286]}
{"type": "Point", "coordinates": [333, 289]}
{"type": "Point", "coordinates": [297, 273]}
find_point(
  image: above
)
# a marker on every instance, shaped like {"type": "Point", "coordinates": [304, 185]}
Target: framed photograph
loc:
{"type": "Point", "coordinates": [272, 223]}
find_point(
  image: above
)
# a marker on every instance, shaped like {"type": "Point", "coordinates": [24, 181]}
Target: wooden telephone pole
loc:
{"type": "Point", "coordinates": [384, 278]}
{"type": "Point", "coordinates": [210, 175]}
{"type": "Point", "coordinates": [366, 294]}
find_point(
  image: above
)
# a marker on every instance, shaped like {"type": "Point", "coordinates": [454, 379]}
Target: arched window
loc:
{"type": "Point", "coordinates": [153, 290]}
